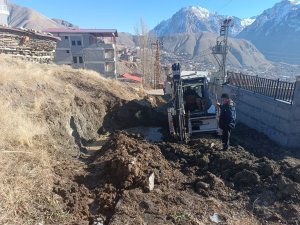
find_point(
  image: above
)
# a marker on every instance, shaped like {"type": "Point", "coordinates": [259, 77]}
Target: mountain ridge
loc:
{"type": "Point", "coordinates": [194, 19]}
{"type": "Point", "coordinates": [25, 17]}
{"type": "Point", "coordinates": [276, 32]}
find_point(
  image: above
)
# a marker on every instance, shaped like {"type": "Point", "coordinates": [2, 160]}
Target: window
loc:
{"type": "Point", "coordinates": [73, 43]}
{"type": "Point", "coordinates": [80, 59]}
{"type": "Point", "coordinates": [66, 37]}
{"type": "Point", "coordinates": [79, 43]}
{"type": "Point", "coordinates": [75, 60]}
{"type": "Point", "coordinates": [68, 51]}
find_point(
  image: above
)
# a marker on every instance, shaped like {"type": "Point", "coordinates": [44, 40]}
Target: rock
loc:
{"type": "Point", "coordinates": [204, 161]}
{"type": "Point", "coordinates": [293, 173]}
{"type": "Point", "coordinates": [216, 218]}
{"type": "Point", "coordinates": [265, 198]}
{"type": "Point", "coordinates": [200, 186]}
{"type": "Point", "coordinates": [266, 169]}
{"type": "Point", "coordinates": [214, 181]}
{"type": "Point", "coordinates": [287, 187]}
{"type": "Point", "coordinates": [99, 221]}
{"type": "Point", "coordinates": [246, 178]}
{"type": "Point", "coordinates": [150, 183]}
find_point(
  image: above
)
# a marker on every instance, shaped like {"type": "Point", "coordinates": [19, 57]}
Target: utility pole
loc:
{"type": "Point", "coordinates": [220, 51]}
{"type": "Point", "coordinates": [157, 68]}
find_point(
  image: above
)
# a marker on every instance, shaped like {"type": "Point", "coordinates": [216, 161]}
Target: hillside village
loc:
{"type": "Point", "coordinates": [104, 127]}
{"type": "Point", "coordinates": [250, 60]}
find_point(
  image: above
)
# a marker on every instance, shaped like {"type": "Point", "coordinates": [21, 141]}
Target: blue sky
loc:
{"type": "Point", "coordinates": [125, 14]}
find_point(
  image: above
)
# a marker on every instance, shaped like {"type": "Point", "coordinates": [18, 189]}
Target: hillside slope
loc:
{"type": "Point", "coordinates": [64, 23]}
{"type": "Point", "coordinates": [127, 39]}
{"type": "Point", "coordinates": [198, 46]}
{"type": "Point", "coordinates": [28, 18]}
{"type": "Point", "coordinates": [276, 32]}
{"type": "Point", "coordinates": [46, 112]}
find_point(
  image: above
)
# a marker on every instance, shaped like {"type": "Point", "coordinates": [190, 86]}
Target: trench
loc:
{"type": "Point", "coordinates": [242, 171]}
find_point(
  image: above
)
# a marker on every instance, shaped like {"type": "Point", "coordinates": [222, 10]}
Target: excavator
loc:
{"type": "Point", "coordinates": [192, 111]}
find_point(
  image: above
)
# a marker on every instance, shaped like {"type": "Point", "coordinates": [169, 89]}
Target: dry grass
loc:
{"type": "Point", "coordinates": [27, 141]}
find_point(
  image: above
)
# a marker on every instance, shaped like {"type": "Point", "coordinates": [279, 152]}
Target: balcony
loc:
{"type": "Point", "coordinates": [106, 46]}
{"type": "Point", "coordinates": [109, 55]}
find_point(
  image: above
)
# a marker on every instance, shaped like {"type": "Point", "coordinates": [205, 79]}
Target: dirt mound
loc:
{"type": "Point", "coordinates": [124, 164]}
{"type": "Point", "coordinates": [193, 184]}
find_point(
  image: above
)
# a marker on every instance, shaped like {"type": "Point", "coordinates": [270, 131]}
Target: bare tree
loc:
{"type": "Point", "coordinates": [145, 52]}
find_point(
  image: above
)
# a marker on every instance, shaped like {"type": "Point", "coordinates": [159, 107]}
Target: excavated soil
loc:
{"type": "Point", "coordinates": [254, 182]}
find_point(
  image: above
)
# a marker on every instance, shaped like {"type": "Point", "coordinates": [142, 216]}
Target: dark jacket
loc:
{"type": "Point", "coordinates": [227, 116]}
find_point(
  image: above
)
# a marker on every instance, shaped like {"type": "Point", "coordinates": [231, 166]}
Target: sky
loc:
{"type": "Point", "coordinates": [124, 15]}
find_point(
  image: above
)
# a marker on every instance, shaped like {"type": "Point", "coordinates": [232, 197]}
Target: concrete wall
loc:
{"type": "Point", "coordinates": [100, 67]}
{"type": "Point", "coordinates": [280, 121]}
{"type": "Point", "coordinates": [295, 128]}
{"type": "Point", "coordinates": [94, 54]}
{"type": "Point", "coordinates": [63, 43]}
{"type": "Point", "coordinates": [63, 57]}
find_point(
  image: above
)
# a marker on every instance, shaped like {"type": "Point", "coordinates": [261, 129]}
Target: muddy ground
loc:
{"type": "Point", "coordinates": [254, 182]}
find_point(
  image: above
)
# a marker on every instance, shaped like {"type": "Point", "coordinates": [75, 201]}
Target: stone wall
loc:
{"type": "Point", "coordinates": [27, 44]}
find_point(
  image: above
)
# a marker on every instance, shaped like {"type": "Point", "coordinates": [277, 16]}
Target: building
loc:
{"type": "Point", "coordinates": [87, 48]}
{"type": "Point", "coordinates": [25, 43]}
{"type": "Point", "coordinates": [4, 12]}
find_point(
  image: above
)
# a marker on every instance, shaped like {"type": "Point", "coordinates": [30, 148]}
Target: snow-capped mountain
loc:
{"type": "Point", "coordinates": [247, 22]}
{"type": "Point", "coordinates": [195, 19]}
{"type": "Point", "coordinates": [276, 32]}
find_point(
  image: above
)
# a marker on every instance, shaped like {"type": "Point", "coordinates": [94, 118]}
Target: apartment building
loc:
{"type": "Point", "coordinates": [87, 48]}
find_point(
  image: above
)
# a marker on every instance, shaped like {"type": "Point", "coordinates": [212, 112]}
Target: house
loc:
{"type": "Point", "coordinates": [132, 78]}
{"type": "Point", "coordinates": [126, 57]}
{"type": "Point", "coordinates": [27, 44]}
{"type": "Point", "coordinates": [23, 43]}
{"type": "Point", "coordinates": [4, 13]}
{"type": "Point", "coordinates": [87, 48]}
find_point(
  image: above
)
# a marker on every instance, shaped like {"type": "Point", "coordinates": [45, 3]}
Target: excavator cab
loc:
{"type": "Point", "coordinates": [192, 109]}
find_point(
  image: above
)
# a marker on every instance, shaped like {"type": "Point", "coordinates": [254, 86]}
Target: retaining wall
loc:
{"type": "Point", "coordinates": [280, 121]}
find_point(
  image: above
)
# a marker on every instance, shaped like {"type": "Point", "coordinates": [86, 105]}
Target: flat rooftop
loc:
{"type": "Point", "coordinates": [95, 32]}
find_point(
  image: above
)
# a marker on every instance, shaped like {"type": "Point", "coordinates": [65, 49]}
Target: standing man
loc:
{"type": "Point", "coordinates": [227, 120]}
